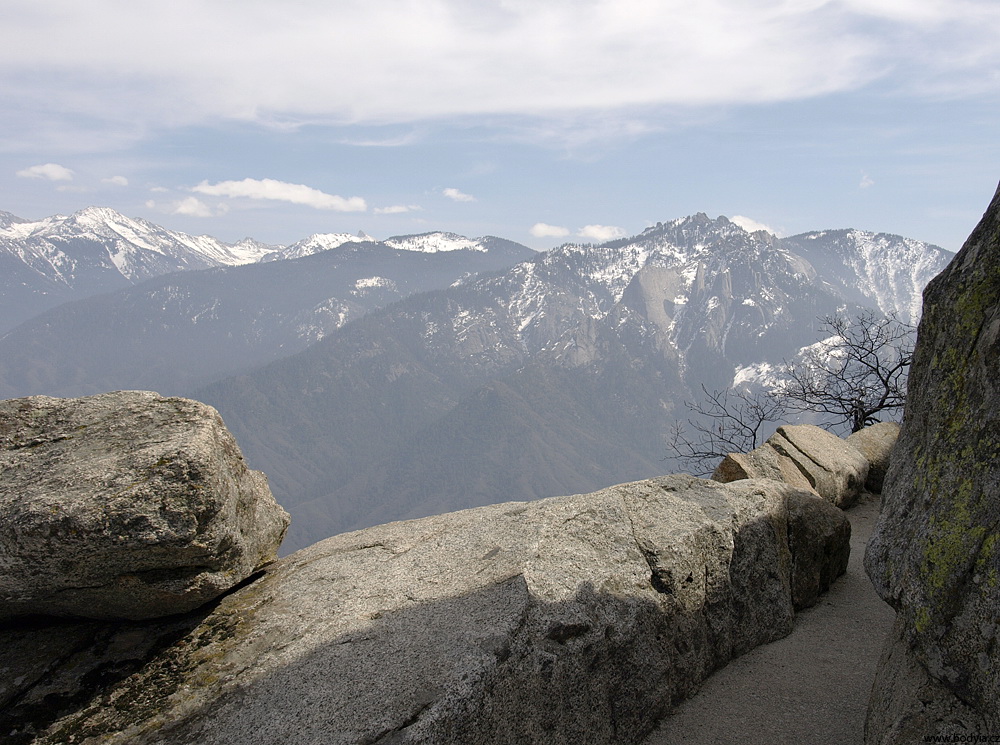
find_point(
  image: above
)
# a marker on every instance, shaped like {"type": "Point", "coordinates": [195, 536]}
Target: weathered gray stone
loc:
{"type": "Point", "coordinates": [574, 619]}
{"type": "Point", "coordinates": [835, 469]}
{"type": "Point", "coordinates": [819, 538]}
{"type": "Point", "coordinates": [908, 705]}
{"type": "Point", "coordinates": [125, 505]}
{"type": "Point", "coordinates": [804, 456]}
{"type": "Point", "coordinates": [935, 553]}
{"type": "Point", "coordinates": [876, 443]}
{"type": "Point", "coordinates": [763, 462]}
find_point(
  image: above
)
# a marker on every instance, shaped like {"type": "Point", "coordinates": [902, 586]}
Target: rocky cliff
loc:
{"type": "Point", "coordinates": [577, 619]}
{"type": "Point", "coordinates": [934, 556]}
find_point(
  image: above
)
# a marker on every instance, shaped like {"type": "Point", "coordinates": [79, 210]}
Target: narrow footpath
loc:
{"type": "Point", "coordinates": [810, 687]}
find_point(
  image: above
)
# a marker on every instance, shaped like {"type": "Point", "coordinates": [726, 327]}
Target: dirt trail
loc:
{"type": "Point", "coordinates": [810, 687]}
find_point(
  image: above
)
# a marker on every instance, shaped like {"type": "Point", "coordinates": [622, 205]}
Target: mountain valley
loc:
{"type": "Point", "coordinates": [374, 382]}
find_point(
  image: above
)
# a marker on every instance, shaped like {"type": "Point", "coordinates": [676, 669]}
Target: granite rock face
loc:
{"type": "Point", "coordinates": [876, 444]}
{"type": "Point", "coordinates": [935, 553]}
{"type": "Point", "coordinates": [577, 619]}
{"type": "Point", "coordinates": [805, 456]}
{"type": "Point", "coordinates": [125, 505]}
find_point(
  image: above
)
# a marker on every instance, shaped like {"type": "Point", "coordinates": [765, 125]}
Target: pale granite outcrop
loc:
{"type": "Point", "coordinates": [576, 619]}
{"type": "Point", "coordinates": [125, 505]}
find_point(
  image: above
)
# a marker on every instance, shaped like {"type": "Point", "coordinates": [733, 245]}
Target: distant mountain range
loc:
{"type": "Point", "coordinates": [52, 261]}
{"type": "Point", "coordinates": [375, 381]}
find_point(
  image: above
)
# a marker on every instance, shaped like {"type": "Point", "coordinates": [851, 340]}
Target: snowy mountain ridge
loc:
{"type": "Point", "coordinates": [316, 243]}
{"type": "Point", "coordinates": [135, 247]}
{"type": "Point", "coordinates": [703, 291]}
{"type": "Point", "coordinates": [44, 263]}
{"type": "Point", "coordinates": [435, 242]}
{"type": "Point", "coordinates": [557, 375]}
{"type": "Point", "coordinates": [476, 375]}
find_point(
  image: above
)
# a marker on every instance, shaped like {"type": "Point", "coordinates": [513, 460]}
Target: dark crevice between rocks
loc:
{"type": "Point", "coordinates": [30, 711]}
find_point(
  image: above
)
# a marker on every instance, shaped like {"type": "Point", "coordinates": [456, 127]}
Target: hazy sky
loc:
{"type": "Point", "coordinates": [543, 121]}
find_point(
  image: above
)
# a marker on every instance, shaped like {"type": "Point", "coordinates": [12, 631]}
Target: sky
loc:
{"type": "Point", "coordinates": [541, 121]}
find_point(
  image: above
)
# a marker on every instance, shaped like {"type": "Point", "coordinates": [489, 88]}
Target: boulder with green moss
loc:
{"type": "Point", "coordinates": [935, 554]}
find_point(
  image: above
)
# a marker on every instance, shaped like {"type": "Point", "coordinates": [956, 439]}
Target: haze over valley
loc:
{"type": "Point", "coordinates": [380, 380]}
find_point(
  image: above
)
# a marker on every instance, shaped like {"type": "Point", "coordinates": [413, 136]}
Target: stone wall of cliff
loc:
{"type": "Point", "coordinates": [935, 555]}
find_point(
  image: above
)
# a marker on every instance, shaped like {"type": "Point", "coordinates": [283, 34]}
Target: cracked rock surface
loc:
{"type": "Point", "coordinates": [125, 505]}
{"type": "Point", "coordinates": [577, 619]}
{"type": "Point", "coordinates": [806, 456]}
{"type": "Point", "coordinates": [935, 553]}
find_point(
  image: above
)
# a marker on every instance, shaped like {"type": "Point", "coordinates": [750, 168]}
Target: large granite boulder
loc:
{"type": "Point", "coordinates": [125, 505]}
{"type": "Point", "coordinates": [935, 553]}
{"type": "Point", "coordinates": [806, 456]}
{"type": "Point", "coordinates": [577, 619]}
{"type": "Point", "coordinates": [876, 443]}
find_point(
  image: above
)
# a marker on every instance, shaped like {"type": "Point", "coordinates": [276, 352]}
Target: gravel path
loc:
{"type": "Point", "coordinates": [810, 687]}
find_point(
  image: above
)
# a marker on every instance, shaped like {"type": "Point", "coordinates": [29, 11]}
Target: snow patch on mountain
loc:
{"type": "Point", "coordinates": [883, 270]}
{"type": "Point", "coordinates": [367, 285]}
{"type": "Point", "coordinates": [323, 318]}
{"type": "Point", "coordinates": [317, 243]}
{"type": "Point", "coordinates": [761, 375]}
{"type": "Point", "coordinates": [101, 239]}
{"type": "Point", "coordinates": [435, 242]}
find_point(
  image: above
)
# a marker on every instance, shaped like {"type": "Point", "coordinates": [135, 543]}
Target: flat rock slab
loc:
{"type": "Point", "coordinates": [125, 505]}
{"type": "Point", "coordinates": [577, 619]}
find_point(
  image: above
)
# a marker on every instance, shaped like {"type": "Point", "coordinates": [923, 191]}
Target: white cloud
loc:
{"type": "Point", "coordinates": [281, 191]}
{"type": "Point", "coordinates": [458, 196]}
{"type": "Point", "coordinates": [543, 230]}
{"type": "Point", "coordinates": [192, 207]}
{"type": "Point", "coordinates": [413, 61]}
{"type": "Point", "coordinates": [116, 181]}
{"type": "Point", "coordinates": [48, 171]}
{"type": "Point", "coordinates": [750, 225]}
{"type": "Point", "coordinates": [866, 181]}
{"type": "Point", "coordinates": [601, 233]}
{"type": "Point", "coordinates": [397, 209]}
{"type": "Point", "coordinates": [398, 141]}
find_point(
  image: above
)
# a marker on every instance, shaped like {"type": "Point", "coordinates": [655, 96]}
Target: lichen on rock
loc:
{"type": "Point", "coordinates": [934, 555]}
{"type": "Point", "coordinates": [125, 505]}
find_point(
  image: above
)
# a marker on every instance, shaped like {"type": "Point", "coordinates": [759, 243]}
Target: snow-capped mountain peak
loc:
{"type": "Point", "coordinates": [7, 219]}
{"type": "Point", "coordinates": [435, 242]}
{"type": "Point", "coordinates": [249, 251]}
{"type": "Point", "coordinates": [887, 270]}
{"type": "Point", "coordinates": [318, 242]}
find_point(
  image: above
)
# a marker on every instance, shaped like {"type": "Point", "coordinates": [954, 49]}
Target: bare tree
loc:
{"type": "Point", "coordinates": [857, 372]}
{"type": "Point", "coordinates": [729, 421]}
{"type": "Point", "coordinates": [854, 375]}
